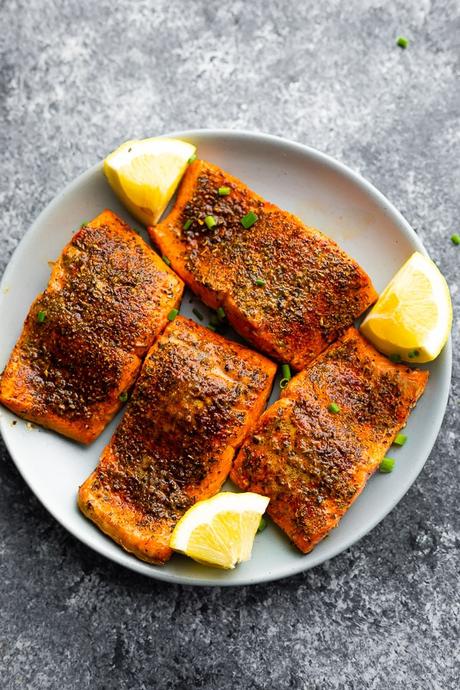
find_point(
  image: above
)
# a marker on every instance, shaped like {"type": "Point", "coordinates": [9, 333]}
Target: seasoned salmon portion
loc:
{"type": "Point", "coordinates": [285, 287]}
{"type": "Point", "coordinates": [314, 449]}
{"type": "Point", "coordinates": [197, 397]}
{"type": "Point", "coordinates": [84, 338]}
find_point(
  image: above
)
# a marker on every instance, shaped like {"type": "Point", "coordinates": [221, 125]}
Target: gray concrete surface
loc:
{"type": "Point", "coordinates": [78, 77]}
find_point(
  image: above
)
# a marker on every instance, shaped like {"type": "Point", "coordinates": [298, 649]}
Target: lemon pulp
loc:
{"type": "Point", "coordinates": [220, 531]}
{"type": "Point", "coordinates": [145, 173]}
{"type": "Point", "coordinates": [413, 316]}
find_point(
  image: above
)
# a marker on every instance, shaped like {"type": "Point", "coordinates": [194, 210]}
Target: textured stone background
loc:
{"type": "Point", "coordinates": [78, 77]}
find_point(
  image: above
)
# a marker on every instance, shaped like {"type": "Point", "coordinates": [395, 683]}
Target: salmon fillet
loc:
{"type": "Point", "coordinates": [313, 463]}
{"type": "Point", "coordinates": [84, 338]}
{"type": "Point", "coordinates": [285, 287]}
{"type": "Point", "coordinates": [196, 398]}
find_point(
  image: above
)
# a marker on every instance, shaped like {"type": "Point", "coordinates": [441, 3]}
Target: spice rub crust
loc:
{"type": "Point", "coordinates": [83, 340]}
{"type": "Point", "coordinates": [313, 463]}
{"type": "Point", "coordinates": [197, 397]}
{"type": "Point", "coordinates": [286, 287]}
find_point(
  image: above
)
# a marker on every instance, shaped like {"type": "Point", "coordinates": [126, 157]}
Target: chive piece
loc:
{"type": "Point", "coordinates": [211, 327]}
{"type": "Point", "coordinates": [210, 221]}
{"type": "Point", "coordinates": [224, 191]}
{"type": "Point", "coordinates": [166, 260]}
{"type": "Point", "coordinates": [402, 42]}
{"type": "Point", "coordinates": [172, 314]}
{"type": "Point", "coordinates": [123, 397]}
{"type": "Point", "coordinates": [400, 440]}
{"type": "Point", "coordinates": [455, 239]}
{"type": "Point", "coordinates": [197, 313]}
{"type": "Point", "coordinates": [262, 525]}
{"type": "Point", "coordinates": [187, 224]}
{"type": "Point", "coordinates": [260, 282]}
{"type": "Point", "coordinates": [284, 383]}
{"type": "Point", "coordinates": [192, 158]}
{"type": "Point", "coordinates": [333, 407]}
{"type": "Point", "coordinates": [413, 353]}
{"type": "Point", "coordinates": [220, 313]}
{"type": "Point", "coordinates": [396, 358]}
{"type": "Point", "coordinates": [249, 219]}
{"type": "Point", "coordinates": [41, 316]}
{"type": "Point", "coordinates": [286, 371]}
{"type": "Point", "coordinates": [84, 224]}
{"type": "Point", "coordinates": [386, 465]}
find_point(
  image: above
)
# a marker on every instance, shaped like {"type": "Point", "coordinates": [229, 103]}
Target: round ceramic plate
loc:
{"type": "Point", "coordinates": [325, 194]}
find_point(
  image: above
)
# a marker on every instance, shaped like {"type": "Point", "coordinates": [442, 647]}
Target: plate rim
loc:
{"type": "Point", "coordinates": [156, 572]}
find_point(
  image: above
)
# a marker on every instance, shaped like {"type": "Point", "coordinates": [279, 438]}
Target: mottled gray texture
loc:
{"type": "Point", "coordinates": [78, 77]}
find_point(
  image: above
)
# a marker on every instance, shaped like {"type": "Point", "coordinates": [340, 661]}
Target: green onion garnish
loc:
{"type": "Point", "coordinates": [262, 525]}
{"type": "Point", "coordinates": [211, 327]}
{"type": "Point", "coordinates": [413, 353]}
{"type": "Point", "coordinates": [286, 371]}
{"type": "Point", "coordinates": [284, 383]}
{"type": "Point", "coordinates": [402, 42]}
{"type": "Point", "coordinates": [249, 219]}
{"type": "Point", "coordinates": [396, 358]}
{"type": "Point", "coordinates": [187, 224]}
{"type": "Point", "coordinates": [260, 282]}
{"type": "Point", "coordinates": [41, 316]}
{"type": "Point", "coordinates": [192, 158]}
{"type": "Point", "coordinates": [333, 407]}
{"type": "Point", "coordinates": [386, 465]}
{"type": "Point", "coordinates": [166, 260]}
{"type": "Point", "coordinates": [198, 314]}
{"type": "Point", "coordinates": [400, 440]}
{"type": "Point", "coordinates": [210, 221]}
{"type": "Point", "coordinates": [84, 224]}
{"type": "Point", "coordinates": [172, 314]}
{"type": "Point", "coordinates": [224, 191]}
{"type": "Point", "coordinates": [123, 397]}
{"type": "Point", "coordinates": [455, 239]}
{"type": "Point", "coordinates": [220, 313]}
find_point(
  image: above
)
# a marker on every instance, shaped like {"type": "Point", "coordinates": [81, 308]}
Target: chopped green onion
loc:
{"type": "Point", "coordinates": [249, 219]}
{"type": "Point", "coordinates": [166, 260]}
{"type": "Point", "coordinates": [262, 524]}
{"type": "Point", "coordinates": [260, 282]}
{"type": "Point", "coordinates": [210, 221]}
{"type": "Point", "coordinates": [211, 327]}
{"type": "Point", "coordinates": [172, 314]}
{"type": "Point", "coordinates": [84, 224]}
{"type": "Point", "coordinates": [41, 316]}
{"type": "Point", "coordinates": [386, 465]}
{"type": "Point", "coordinates": [187, 224]}
{"type": "Point", "coordinates": [455, 239]}
{"type": "Point", "coordinates": [395, 358]}
{"type": "Point", "coordinates": [284, 383]}
{"type": "Point", "coordinates": [333, 407]}
{"type": "Point", "coordinates": [123, 397]}
{"type": "Point", "coordinates": [220, 313]}
{"type": "Point", "coordinates": [400, 440]}
{"type": "Point", "coordinates": [192, 158]}
{"type": "Point", "coordinates": [224, 191]}
{"type": "Point", "coordinates": [286, 371]}
{"type": "Point", "coordinates": [402, 42]}
{"type": "Point", "coordinates": [413, 353]}
{"type": "Point", "coordinates": [198, 313]}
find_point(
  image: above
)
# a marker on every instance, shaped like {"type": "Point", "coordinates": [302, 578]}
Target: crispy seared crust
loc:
{"type": "Point", "coordinates": [196, 398]}
{"type": "Point", "coordinates": [313, 290]}
{"type": "Point", "coordinates": [107, 299]}
{"type": "Point", "coordinates": [312, 463]}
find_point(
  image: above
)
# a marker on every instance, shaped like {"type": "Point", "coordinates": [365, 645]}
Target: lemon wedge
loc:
{"type": "Point", "coordinates": [144, 174]}
{"type": "Point", "coordinates": [413, 316]}
{"type": "Point", "coordinates": [220, 531]}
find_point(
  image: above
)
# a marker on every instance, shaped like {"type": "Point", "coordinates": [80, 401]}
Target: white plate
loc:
{"type": "Point", "coordinates": [325, 194]}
